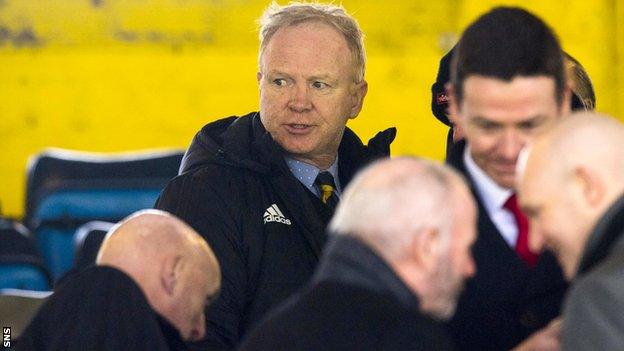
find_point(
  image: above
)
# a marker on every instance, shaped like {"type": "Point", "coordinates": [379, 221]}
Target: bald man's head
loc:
{"type": "Point", "coordinates": [420, 217]}
{"type": "Point", "coordinates": [173, 265]}
{"type": "Point", "coordinates": [572, 174]}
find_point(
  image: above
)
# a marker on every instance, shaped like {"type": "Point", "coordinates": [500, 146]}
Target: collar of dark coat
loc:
{"type": "Point", "coordinates": [348, 260]}
{"type": "Point", "coordinates": [247, 143]}
{"type": "Point", "coordinates": [603, 238]}
{"type": "Point", "coordinates": [171, 334]}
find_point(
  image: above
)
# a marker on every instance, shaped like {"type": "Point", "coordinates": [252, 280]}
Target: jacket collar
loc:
{"type": "Point", "coordinates": [606, 233]}
{"type": "Point", "coordinates": [348, 260]}
{"type": "Point", "coordinates": [171, 334]}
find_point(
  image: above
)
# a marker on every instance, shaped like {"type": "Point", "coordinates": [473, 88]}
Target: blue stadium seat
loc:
{"type": "Point", "coordinates": [66, 189]}
{"type": "Point", "coordinates": [21, 266]}
{"type": "Point", "coordinates": [87, 242]}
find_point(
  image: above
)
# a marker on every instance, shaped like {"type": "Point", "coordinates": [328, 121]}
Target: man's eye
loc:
{"type": "Point", "coordinates": [280, 82]}
{"type": "Point", "coordinates": [488, 126]}
{"type": "Point", "coordinates": [319, 85]}
{"type": "Point", "coordinates": [529, 125]}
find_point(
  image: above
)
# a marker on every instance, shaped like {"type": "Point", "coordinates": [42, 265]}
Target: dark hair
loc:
{"type": "Point", "coordinates": [508, 42]}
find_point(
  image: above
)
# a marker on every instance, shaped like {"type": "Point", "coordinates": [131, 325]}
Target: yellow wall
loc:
{"type": "Point", "coordinates": [113, 75]}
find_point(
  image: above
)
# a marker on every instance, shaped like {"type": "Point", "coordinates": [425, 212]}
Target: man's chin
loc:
{"type": "Point", "coordinates": [505, 180]}
{"type": "Point", "coordinates": [445, 312]}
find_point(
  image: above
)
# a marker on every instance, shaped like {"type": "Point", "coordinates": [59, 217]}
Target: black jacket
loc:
{"type": "Point", "coordinates": [506, 300]}
{"type": "Point", "coordinates": [233, 174]}
{"type": "Point", "coordinates": [355, 302]}
{"type": "Point", "coordinates": [100, 308]}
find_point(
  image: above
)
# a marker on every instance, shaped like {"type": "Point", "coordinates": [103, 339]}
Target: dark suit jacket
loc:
{"type": "Point", "coordinates": [355, 302]}
{"type": "Point", "coordinates": [506, 300]}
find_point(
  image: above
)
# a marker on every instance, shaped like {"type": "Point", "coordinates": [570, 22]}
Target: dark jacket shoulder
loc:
{"type": "Point", "coordinates": [100, 308]}
{"type": "Point", "coordinates": [337, 316]}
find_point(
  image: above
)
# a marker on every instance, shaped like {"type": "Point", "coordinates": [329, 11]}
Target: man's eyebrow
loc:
{"type": "Point", "coordinates": [275, 72]}
{"type": "Point", "coordinates": [320, 76]}
{"type": "Point", "coordinates": [533, 119]}
{"type": "Point", "coordinates": [482, 120]}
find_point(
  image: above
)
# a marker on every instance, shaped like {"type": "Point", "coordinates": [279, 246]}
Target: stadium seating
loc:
{"type": "Point", "coordinates": [66, 189]}
{"type": "Point", "coordinates": [21, 266]}
{"type": "Point", "coordinates": [87, 242]}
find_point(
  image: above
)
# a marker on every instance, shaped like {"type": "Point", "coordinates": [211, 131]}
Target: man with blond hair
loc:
{"type": "Point", "coordinates": [572, 189]}
{"type": "Point", "coordinates": [261, 188]}
{"type": "Point", "coordinates": [393, 271]}
{"type": "Point", "coordinates": [153, 278]}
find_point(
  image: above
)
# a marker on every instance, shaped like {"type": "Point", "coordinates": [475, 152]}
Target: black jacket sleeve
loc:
{"type": "Point", "coordinates": [205, 203]}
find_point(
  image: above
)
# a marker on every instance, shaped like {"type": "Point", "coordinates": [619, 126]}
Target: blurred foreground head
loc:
{"type": "Point", "coordinates": [170, 262]}
{"type": "Point", "coordinates": [419, 217]}
{"type": "Point", "coordinates": [572, 175]}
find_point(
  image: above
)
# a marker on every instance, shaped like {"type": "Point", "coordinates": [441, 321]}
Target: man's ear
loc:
{"type": "Point", "coordinates": [359, 92]}
{"type": "Point", "coordinates": [453, 112]}
{"type": "Point", "coordinates": [259, 77]}
{"type": "Point", "coordinates": [425, 248]}
{"type": "Point", "coordinates": [591, 186]}
{"type": "Point", "coordinates": [170, 271]}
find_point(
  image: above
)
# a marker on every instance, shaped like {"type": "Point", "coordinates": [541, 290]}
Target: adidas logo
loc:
{"type": "Point", "coordinates": [273, 214]}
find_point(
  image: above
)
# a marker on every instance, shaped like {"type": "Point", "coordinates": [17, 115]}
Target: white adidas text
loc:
{"type": "Point", "coordinates": [273, 214]}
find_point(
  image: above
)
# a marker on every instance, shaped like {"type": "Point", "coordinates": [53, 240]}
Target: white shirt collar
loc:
{"type": "Point", "coordinates": [493, 195]}
{"type": "Point", "coordinates": [307, 173]}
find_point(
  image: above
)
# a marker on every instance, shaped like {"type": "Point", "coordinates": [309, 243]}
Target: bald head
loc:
{"type": "Point", "coordinates": [391, 199]}
{"type": "Point", "coordinates": [168, 260]}
{"type": "Point", "coordinates": [420, 218]}
{"type": "Point", "coordinates": [573, 173]}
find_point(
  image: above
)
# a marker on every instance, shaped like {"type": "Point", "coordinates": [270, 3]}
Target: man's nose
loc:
{"type": "Point", "coordinates": [199, 329]}
{"type": "Point", "coordinates": [470, 268]}
{"type": "Point", "coordinates": [511, 144]}
{"type": "Point", "coordinates": [300, 98]}
{"type": "Point", "coordinates": [536, 238]}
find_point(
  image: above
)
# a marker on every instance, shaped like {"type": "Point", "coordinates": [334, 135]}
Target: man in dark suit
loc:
{"type": "Point", "coordinates": [393, 270]}
{"type": "Point", "coordinates": [507, 86]}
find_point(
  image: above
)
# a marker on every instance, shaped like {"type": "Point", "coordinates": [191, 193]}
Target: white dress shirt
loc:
{"type": "Point", "coordinates": [493, 197]}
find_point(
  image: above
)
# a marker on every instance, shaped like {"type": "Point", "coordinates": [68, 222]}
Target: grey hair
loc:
{"type": "Point", "coordinates": [407, 198]}
{"type": "Point", "coordinates": [276, 17]}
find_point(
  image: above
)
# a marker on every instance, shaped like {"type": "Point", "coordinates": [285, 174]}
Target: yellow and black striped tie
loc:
{"type": "Point", "coordinates": [327, 187]}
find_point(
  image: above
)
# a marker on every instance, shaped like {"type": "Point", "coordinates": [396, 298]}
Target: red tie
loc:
{"type": "Point", "coordinates": [522, 245]}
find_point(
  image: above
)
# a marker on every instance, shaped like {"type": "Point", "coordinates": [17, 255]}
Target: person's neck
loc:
{"type": "Point", "coordinates": [322, 162]}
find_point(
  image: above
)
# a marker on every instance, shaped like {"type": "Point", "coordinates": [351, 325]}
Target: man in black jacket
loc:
{"type": "Point", "coordinates": [394, 269]}
{"type": "Point", "coordinates": [262, 187]}
{"type": "Point", "coordinates": [573, 191]}
{"type": "Point", "coordinates": [148, 291]}
{"type": "Point", "coordinates": [507, 86]}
